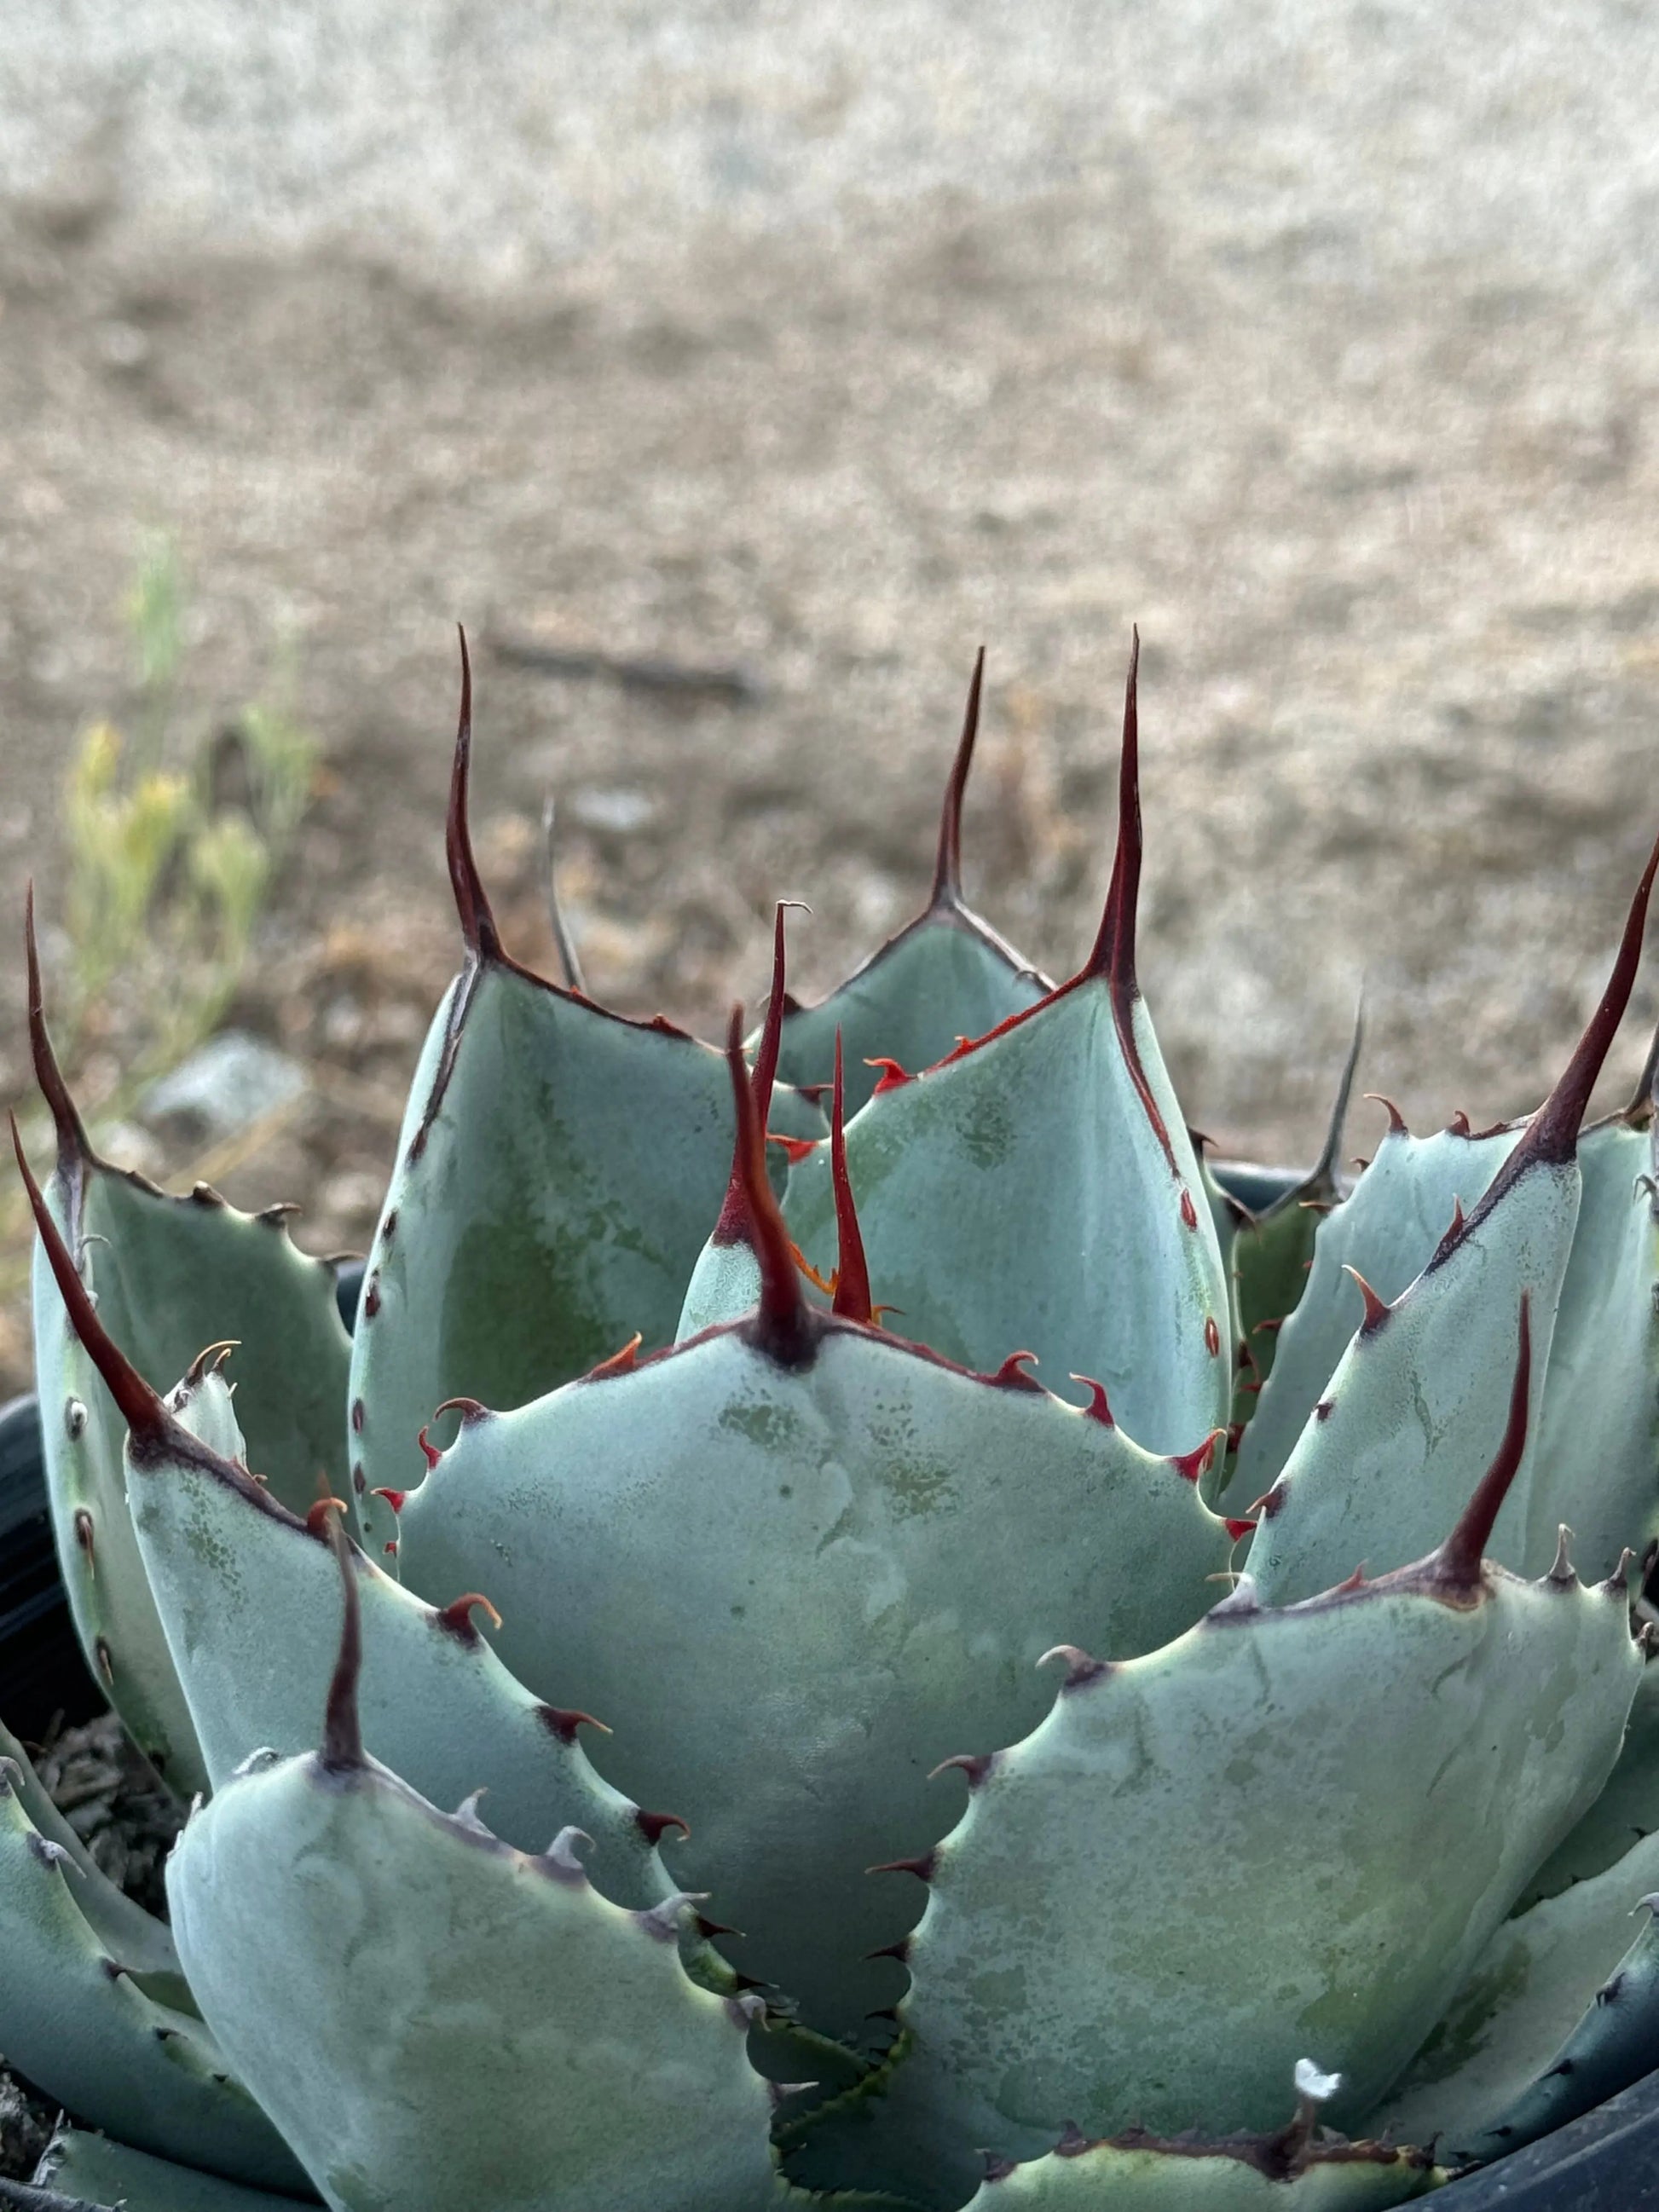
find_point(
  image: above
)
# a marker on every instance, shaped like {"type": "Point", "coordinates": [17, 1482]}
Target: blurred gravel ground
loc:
{"type": "Point", "coordinates": [1320, 339]}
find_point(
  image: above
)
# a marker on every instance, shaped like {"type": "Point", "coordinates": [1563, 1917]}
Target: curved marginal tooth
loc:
{"type": "Point", "coordinates": [562, 1852]}
{"type": "Point", "coordinates": [1618, 1583]}
{"type": "Point", "coordinates": [52, 1854]}
{"type": "Point", "coordinates": [1242, 1598]}
{"type": "Point", "coordinates": [467, 1813]}
{"type": "Point", "coordinates": [1081, 1666]}
{"type": "Point", "coordinates": [663, 1921]}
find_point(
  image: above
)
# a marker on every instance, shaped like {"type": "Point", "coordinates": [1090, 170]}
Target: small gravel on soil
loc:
{"type": "Point", "coordinates": [114, 1804]}
{"type": "Point", "coordinates": [25, 2126]}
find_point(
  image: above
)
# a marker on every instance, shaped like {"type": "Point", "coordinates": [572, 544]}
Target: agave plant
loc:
{"type": "Point", "coordinates": [694, 1390]}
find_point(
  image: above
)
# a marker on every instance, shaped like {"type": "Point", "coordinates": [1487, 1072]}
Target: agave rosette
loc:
{"type": "Point", "coordinates": [690, 1451]}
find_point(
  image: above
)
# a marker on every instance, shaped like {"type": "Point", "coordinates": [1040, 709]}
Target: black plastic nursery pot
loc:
{"type": "Point", "coordinates": [1608, 2160]}
{"type": "Point", "coordinates": [42, 1673]}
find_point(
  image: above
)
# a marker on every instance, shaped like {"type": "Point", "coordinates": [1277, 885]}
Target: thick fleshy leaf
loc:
{"type": "Point", "coordinates": [1185, 1879]}
{"type": "Point", "coordinates": [1040, 1189]}
{"type": "Point", "coordinates": [88, 2035]}
{"type": "Point", "coordinates": [1626, 1810]}
{"type": "Point", "coordinates": [912, 1540]}
{"type": "Point", "coordinates": [172, 1276]}
{"type": "Point", "coordinates": [725, 1282]}
{"type": "Point", "coordinates": [1407, 1421]}
{"type": "Point", "coordinates": [558, 1169]}
{"type": "Point", "coordinates": [90, 2169]}
{"type": "Point", "coordinates": [839, 1554]}
{"type": "Point", "coordinates": [1598, 1450]}
{"type": "Point", "coordinates": [1387, 1230]}
{"type": "Point", "coordinates": [1563, 1982]}
{"type": "Point", "coordinates": [434, 2019]}
{"type": "Point", "coordinates": [250, 1595]}
{"type": "Point", "coordinates": [946, 977]}
{"type": "Point", "coordinates": [249, 1612]}
{"type": "Point", "coordinates": [1597, 1463]}
{"type": "Point", "coordinates": [1399, 1432]}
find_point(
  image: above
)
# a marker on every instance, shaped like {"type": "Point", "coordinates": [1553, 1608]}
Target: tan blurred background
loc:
{"type": "Point", "coordinates": [819, 344]}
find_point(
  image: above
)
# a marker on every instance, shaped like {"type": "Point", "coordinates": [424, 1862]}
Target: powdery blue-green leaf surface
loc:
{"type": "Point", "coordinates": [90, 2038]}
{"type": "Point", "coordinates": [1406, 1422]}
{"type": "Point", "coordinates": [1393, 1223]}
{"type": "Point", "coordinates": [1569, 1979]}
{"type": "Point", "coordinates": [1062, 1971]}
{"type": "Point", "coordinates": [1399, 1432]}
{"type": "Point", "coordinates": [1387, 1230]}
{"type": "Point", "coordinates": [558, 1170]}
{"type": "Point", "coordinates": [837, 1570]}
{"type": "Point", "coordinates": [250, 1596]}
{"type": "Point", "coordinates": [173, 1276]}
{"type": "Point", "coordinates": [92, 2170]}
{"type": "Point", "coordinates": [725, 1282]}
{"type": "Point", "coordinates": [1626, 1810]}
{"type": "Point", "coordinates": [794, 1564]}
{"type": "Point", "coordinates": [434, 2019]}
{"type": "Point", "coordinates": [1299, 2167]}
{"type": "Point", "coordinates": [1596, 1466]}
{"type": "Point", "coordinates": [1040, 1192]}
{"type": "Point", "coordinates": [946, 976]}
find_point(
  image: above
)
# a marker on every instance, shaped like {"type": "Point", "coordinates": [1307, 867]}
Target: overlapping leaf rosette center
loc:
{"type": "Point", "coordinates": [977, 1658]}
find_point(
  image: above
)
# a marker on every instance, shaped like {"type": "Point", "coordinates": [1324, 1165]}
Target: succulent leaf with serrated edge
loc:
{"type": "Point", "coordinates": [1420, 1379]}
{"type": "Point", "coordinates": [1009, 1194]}
{"type": "Point", "coordinates": [1198, 1773]}
{"type": "Point", "coordinates": [692, 1403]}
{"type": "Point", "coordinates": [909, 1550]}
{"type": "Point", "coordinates": [172, 1275]}
{"type": "Point", "coordinates": [435, 2001]}
{"type": "Point", "coordinates": [946, 977]}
